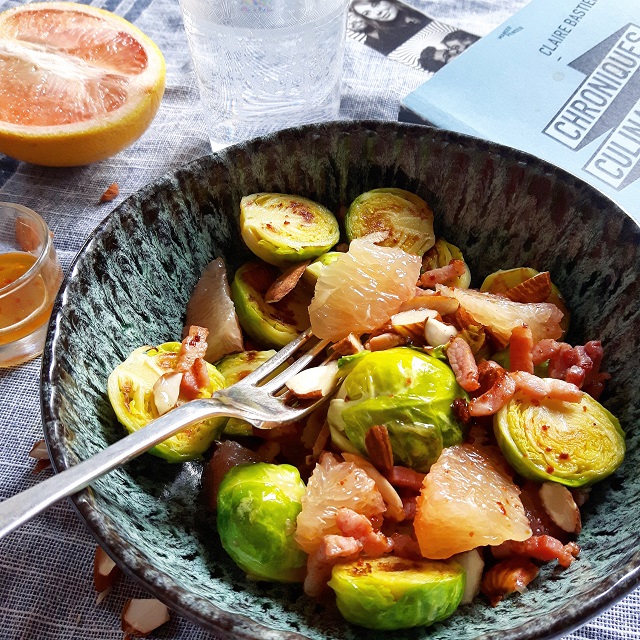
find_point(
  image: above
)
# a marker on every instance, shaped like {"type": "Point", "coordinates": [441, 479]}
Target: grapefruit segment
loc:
{"type": "Point", "coordinates": [468, 500]}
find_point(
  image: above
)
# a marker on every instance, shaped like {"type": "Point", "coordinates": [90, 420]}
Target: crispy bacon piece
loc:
{"type": "Point", "coordinates": [507, 577]}
{"type": "Point", "coordinates": [520, 350]}
{"type": "Point", "coordinates": [405, 478]}
{"type": "Point", "coordinates": [501, 388]}
{"type": "Point", "coordinates": [355, 525]}
{"type": "Point", "coordinates": [191, 363]}
{"type": "Point", "coordinates": [442, 275]}
{"type": "Point", "coordinates": [409, 504]}
{"type": "Point", "coordinates": [405, 546]}
{"type": "Point", "coordinates": [544, 548]}
{"type": "Point", "coordinates": [545, 349]}
{"type": "Point", "coordinates": [463, 364]}
{"type": "Point", "coordinates": [540, 388]}
{"type": "Point", "coordinates": [332, 549]}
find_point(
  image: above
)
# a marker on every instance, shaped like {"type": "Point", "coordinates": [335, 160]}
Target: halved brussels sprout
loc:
{"type": "Point", "coordinates": [281, 228]}
{"type": "Point", "coordinates": [405, 217]}
{"type": "Point", "coordinates": [405, 390]}
{"type": "Point", "coordinates": [312, 272]}
{"type": "Point", "coordinates": [394, 593]}
{"type": "Point", "coordinates": [257, 509]}
{"type": "Point", "coordinates": [572, 443]}
{"type": "Point", "coordinates": [271, 324]}
{"type": "Point", "coordinates": [440, 255]}
{"type": "Point", "coordinates": [234, 368]}
{"type": "Point", "coordinates": [130, 390]}
{"type": "Point", "coordinates": [502, 280]}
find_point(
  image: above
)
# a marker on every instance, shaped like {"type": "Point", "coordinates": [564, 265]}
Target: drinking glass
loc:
{"type": "Point", "coordinates": [30, 276]}
{"type": "Point", "coordinates": [263, 65]}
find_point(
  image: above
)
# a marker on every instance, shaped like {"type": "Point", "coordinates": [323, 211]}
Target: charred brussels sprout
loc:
{"type": "Point", "coordinates": [394, 593]}
{"type": "Point", "coordinates": [407, 391]}
{"type": "Point", "coordinates": [312, 272]}
{"type": "Point", "coordinates": [405, 217]}
{"type": "Point", "coordinates": [270, 324]}
{"type": "Point", "coordinates": [234, 368]}
{"type": "Point", "coordinates": [572, 443]}
{"type": "Point", "coordinates": [130, 389]}
{"type": "Point", "coordinates": [440, 255]}
{"type": "Point", "coordinates": [257, 509]}
{"type": "Point", "coordinates": [282, 228]}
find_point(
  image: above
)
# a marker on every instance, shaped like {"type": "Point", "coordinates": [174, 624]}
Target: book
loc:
{"type": "Point", "coordinates": [560, 80]}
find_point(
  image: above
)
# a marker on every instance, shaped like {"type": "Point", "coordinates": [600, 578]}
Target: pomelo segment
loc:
{"type": "Point", "coordinates": [77, 84]}
{"type": "Point", "coordinates": [468, 500]}
{"type": "Point", "coordinates": [362, 289]}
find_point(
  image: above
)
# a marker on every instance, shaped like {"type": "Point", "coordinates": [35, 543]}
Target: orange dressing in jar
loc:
{"type": "Point", "coordinates": [26, 307]}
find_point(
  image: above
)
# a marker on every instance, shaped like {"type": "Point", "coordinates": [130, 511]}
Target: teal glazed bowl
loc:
{"type": "Point", "coordinates": [130, 284]}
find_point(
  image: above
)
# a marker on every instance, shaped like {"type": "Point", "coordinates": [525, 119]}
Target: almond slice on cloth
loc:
{"type": "Point", "coordinates": [105, 570]}
{"type": "Point", "coordinates": [561, 507]}
{"type": "Point", "coordinates": [41, 454]}
{"type": "Point", "coordinates": [141, 616]}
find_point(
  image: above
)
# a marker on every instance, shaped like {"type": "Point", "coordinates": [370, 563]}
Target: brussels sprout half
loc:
{"type": "Point", "coordinates": [281, 228]}
{"type": "Point", "coordinates": [440, 255]}
{"type": "Point", "coordinates": [394, 593]}
{"type": "Point", "coordinates": [234, 368]}
{"type": "Point", "coordinates": [271, 324]}
{"type": "Point", "coordinates": [572, 443]}
{"type": "Point", "coordinates": [257, 509]}
{"type": "Point", "coordinates": [405, 390]}
{"type": "Point", "coordinates": [130, 390]}
{"type": "Point", "coordinates": [405, 217]}
{"type": "Point", "coordinates": [312, 272]}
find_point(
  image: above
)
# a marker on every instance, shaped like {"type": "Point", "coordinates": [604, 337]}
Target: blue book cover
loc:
{"type": "Point", "coordinates": [560, 80]}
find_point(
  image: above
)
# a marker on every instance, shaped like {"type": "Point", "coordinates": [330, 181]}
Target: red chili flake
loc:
{"type": "Point", "coordinates": [545, 427]}
{"type": "Point", "coordinates": [548, 449]}
{"type": "Point", "coordinates": [471, 534]}
{"type": "Point", "coordinates": [563, 456]}
{"type": "Point", "coordinates": [535, 403]}
{"type": "Point", "coordinates": [584, 407]}
{"type": "Point", "coordinates": [550, 469]}
{"type": "Point", "coordinates": [502, 509]}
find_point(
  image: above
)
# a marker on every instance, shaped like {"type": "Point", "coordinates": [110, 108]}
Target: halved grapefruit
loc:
{"type": "Point", "coordinates": [77, 83]}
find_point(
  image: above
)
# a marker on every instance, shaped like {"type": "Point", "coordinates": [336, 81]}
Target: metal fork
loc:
{"type": "Point", "coordinates": [263, 406]}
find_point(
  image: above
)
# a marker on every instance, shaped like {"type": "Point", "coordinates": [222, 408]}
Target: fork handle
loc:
{"type": "Point", "coordinates": [20, 508]}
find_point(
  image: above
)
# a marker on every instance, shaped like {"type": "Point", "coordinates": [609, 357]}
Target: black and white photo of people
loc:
{"type": "Point", "coordinates": [406, 35]}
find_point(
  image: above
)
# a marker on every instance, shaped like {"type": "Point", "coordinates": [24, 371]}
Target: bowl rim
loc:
{"type": "Point", "coordinates": [162, 586]}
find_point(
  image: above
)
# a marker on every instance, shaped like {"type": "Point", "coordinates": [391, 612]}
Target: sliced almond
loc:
{"type": "Point", "coordinates": [286, 282]}
{"type": "Point", "coordinates": [40, 453]}
{"type": "Point", "coordinates": [379, 448]}
{"type": "Point", "coordinates": [348, 346]}
{"type": "Point", "coordinates": [110, 193]}
{"type": "Point", "coordinates": [473, 564]}
{"type": "Point", "coordinates": [410, 323]}
{"type": "Point", "coordinates": [141, 616]}
{"type": "Point", "coordinates": [166, 391]}
{"type": "Point", "coordinates": [384, 341]}
{"type": "Point", "coordinates": [561, 507]}
{"type": "Point", "coordinates": [534, 289]}
{"type": "Point", "coordinates": [437, 333]}
{"type": "Point", "coordinates": [314, 383]}
{"type": "Point", "coordinates": [105, 570]}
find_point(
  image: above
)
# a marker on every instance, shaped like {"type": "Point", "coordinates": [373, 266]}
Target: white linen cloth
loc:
{"type": "Point", "coordinates": [46, 590]}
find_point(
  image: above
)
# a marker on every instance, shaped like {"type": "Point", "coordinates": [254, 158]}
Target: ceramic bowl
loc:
{"type": "Point", "coordinates": [130, 284]}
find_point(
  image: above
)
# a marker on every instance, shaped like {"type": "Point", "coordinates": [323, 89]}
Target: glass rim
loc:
{"type": "Point", "coordinates": [42, 256]}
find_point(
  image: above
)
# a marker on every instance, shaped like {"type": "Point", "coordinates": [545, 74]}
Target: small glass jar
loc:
{"type": "Point", "coordinates": [30, 276]}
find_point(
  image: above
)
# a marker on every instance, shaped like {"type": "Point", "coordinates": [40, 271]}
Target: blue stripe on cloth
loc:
{"type": "Point", "coordinates": [111, 5]}
{"type": "Point", "coordinates": [134, 13]}
{"type": "Point", "coordinates": [8, 166]}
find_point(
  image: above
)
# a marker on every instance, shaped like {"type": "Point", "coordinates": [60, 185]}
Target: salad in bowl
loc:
{"type": "Point", "coordinates": [461, 432]}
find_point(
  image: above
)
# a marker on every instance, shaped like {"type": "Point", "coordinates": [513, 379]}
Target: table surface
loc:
{"type": "Point", "coordinates": [46, 589]}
